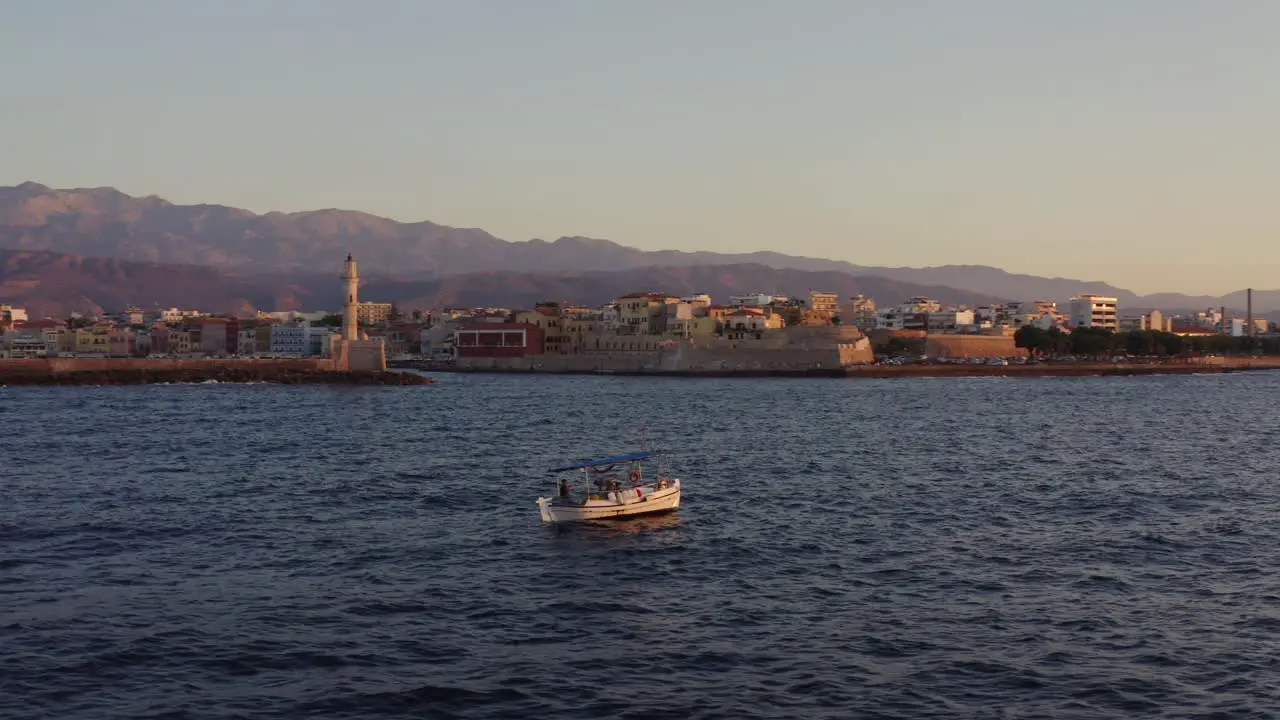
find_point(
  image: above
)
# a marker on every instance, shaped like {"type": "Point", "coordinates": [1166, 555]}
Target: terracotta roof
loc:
{"type": "Point", "coordinates": [551, 311]}
{"type": "Point", "coordinates": [747, 311]}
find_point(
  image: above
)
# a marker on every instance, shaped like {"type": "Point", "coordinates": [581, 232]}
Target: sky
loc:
{"type": "Point", "coordinates": [1132, 141]}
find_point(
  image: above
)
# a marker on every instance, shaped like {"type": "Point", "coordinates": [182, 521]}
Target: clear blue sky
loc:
{"type": "Point", "coordinates": [1134, 141]}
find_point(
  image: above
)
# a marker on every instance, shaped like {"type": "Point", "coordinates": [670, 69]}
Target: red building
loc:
{"type": "Point", "coordinates": [504, 339]}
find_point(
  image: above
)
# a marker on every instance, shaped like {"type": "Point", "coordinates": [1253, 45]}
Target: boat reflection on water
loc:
{"type": "Point", "coordinates": [640, 524]}
{"type": "Point", "coordinates": [665, 527]}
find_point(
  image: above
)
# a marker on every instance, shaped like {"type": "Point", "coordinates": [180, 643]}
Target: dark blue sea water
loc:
{"type": "Point", "coordinates": [1072, 548]}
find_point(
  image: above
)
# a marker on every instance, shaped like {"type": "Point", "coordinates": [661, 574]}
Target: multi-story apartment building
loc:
{"type": "Point", "coordinates": [643, 313]}
{"type": "Point", "coordinates": [122, 342]}
{"type": "Point", "coordinates": [94, 339]}
{"type": "Point", "coordinates": [824, 303]}
{"type": "Point", "coordinates": [1097, 311]}
{"type": "Point", "coordinates": [291, 339]}
{"type": "Point", "coordinates": [175, 315]}
{"type": "Point", "coordinates": [214, 334]}
{"type": "Point", "coordinates": [10, 315]}
{"type": "Point", "coordinates": [26, 343]}
{"type": "Point", "coordinates": [859, 311]}
{"type": "Point", "coordinates": [757, 300]}
{"type": "Point", "coordinates": [373, 313]}
{"type": "Point", "coordinates": [182, 341]}
{"type": "Point", "coordinates": [247, 341]}
{"type": "Point", "coordinates": [548, 318]}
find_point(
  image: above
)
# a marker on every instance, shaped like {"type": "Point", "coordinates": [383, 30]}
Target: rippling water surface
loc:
{"type": "Point", "coordinates": [906, 548]}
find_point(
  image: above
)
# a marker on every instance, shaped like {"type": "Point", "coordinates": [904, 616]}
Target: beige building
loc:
{"type": "Point", "coordinates": [643, 313]}
{"type": "Point", "coordinates": [10, 314]}
{"type": "Point", "coordinates": [745, 323]}
{"type": "Point", "coordinates": [824, 303]}
{"type": "Point", "coordinates": [181, 342]}
{"type": "Point", "coordinates": [547, 316]}
{"type": "Point", "coordinates": [583, 334]}
{"type": "Point", "coordinates": [373, 313]}
{"type": "Point", "coordinates": [859, 311]}
{"type": "Point", "coordinates": [93, 340]}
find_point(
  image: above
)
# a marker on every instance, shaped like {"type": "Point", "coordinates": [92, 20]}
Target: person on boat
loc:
{"type": "Point", "coordinates": [564, 487]}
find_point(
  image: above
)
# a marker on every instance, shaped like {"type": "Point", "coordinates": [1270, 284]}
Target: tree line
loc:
{"type": "Point", "coordinates": [1100, 342]}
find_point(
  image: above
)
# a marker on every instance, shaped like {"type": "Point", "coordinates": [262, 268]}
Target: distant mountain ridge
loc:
{"type": "Point", "coordinates": [106, 223]}
{"type": "Point", "coordinates": [595, 288]}
{"type": "Point", "coordinates": [53, 284]}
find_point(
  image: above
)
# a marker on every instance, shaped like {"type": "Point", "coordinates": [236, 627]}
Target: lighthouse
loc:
{"type": "Point", "coordinates": [350, 285]}
{"type": "Point", "coordinates": [353, 350]}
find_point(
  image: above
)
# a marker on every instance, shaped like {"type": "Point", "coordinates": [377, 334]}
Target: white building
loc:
{"type": "Point", "coordinates": [910, 315]}
{"type": "Point", "coordinates": [437, 340]}
{"type": "Point", "coordinates": [25, 344]}
{"type": "Point", "coordinates": [611, 317]}
{"type": "Point", "coordinates": [318, 340]}
{"type": "Point", "coordinates": [756, 300]}
{"type": "Point", "coordinates": [293, 316]}
{"type": "Point", "coordinates": [290, 340]}
{"type": "Point", "coordinates": [948, 319]}
{"type": "Point", "coordinates": [1049, 320]}
{"type": "Point", "coordinates": [988, 314]}
{"type": "Point", "coordinates": [698, 300]}
{"type": "Point", "coordinates": [1094, 311]}
{"type": "Point", "coordinates": [174, 315]}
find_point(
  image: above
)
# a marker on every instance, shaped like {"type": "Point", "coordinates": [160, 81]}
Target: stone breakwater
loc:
{"type": "Point", "coordinates": [131, 371]}
{"type": "Point", "coordinates": [1064, 369]}
{"type": "Point", "coordinates": [1045, 369]}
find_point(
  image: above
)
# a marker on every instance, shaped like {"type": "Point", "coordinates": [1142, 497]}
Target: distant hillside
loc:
{"type": "Point", "coordinates": [104, 222]}
{"type": "Point", "coordinates": [595, 288]}
{"type": "Point", "coordinates": [56, 284]}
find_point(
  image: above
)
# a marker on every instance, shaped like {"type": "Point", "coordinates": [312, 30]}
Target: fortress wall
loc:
{"type": "Point", "coordinates": [687, 357]}
{"type": "Point", "coordinates": [971, 346]}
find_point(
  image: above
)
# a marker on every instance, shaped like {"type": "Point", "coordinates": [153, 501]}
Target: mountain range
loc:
{"type": "Point", "coordinates": [96, 247]}
{"type": "Point", "coordinates": [56, 284]}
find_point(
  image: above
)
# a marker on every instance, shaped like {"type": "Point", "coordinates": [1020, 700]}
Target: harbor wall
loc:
{"type": "Point", "coordinates": [56, 366]}
{"type": "Point", "coordinates": [684, 357]}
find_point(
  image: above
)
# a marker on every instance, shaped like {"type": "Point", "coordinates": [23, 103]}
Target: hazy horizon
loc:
{"type": "Point", "coordinates": [1129, 143]}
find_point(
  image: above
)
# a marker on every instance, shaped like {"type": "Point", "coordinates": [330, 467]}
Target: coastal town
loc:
{"type": "Point", "coordinates": [740, 327]}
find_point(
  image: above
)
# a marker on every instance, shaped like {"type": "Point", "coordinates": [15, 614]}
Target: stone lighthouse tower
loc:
{"type": "Point", "coordinates": [350, 288]}
{"type": "Point", "coordinates": [353, 350]}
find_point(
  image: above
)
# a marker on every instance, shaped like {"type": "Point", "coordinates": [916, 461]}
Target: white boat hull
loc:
{"type": "Point", "coordinates": [648, 501]}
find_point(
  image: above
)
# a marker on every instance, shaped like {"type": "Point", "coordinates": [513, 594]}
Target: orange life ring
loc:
{"type": "Point", "coordinates": [635, 476]}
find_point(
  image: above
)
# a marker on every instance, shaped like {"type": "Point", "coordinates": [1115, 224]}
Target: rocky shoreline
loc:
{"type": "Point", "coordinates": [266, 375]}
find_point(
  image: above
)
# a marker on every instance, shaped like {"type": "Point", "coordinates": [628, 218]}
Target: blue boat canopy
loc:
{"type": "Point", "coordinates": [605, 461]}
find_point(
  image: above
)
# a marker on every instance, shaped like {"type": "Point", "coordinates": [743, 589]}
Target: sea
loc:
{"type": "Point", "coordinates": [905, 548]}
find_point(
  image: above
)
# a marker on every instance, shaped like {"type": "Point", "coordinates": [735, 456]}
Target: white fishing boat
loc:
{"type": "Point", "coordinates": [609, 492]}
